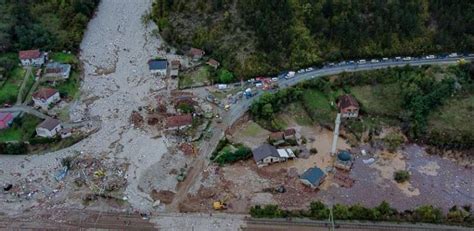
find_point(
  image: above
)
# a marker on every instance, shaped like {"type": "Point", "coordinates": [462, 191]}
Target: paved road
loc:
{"type": "Point", "coordinates": [26, 109]}
{"type": "Point", "coordinates": [238, 109]}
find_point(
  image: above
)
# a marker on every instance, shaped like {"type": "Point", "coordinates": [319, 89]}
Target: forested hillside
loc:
{"type": "Point", "coordinates": [255, 37]}
{"type": "Point", "coordinates": [53, 24]}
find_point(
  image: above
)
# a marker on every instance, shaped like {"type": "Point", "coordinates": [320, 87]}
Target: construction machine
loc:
{"type": "Point", "coordinates": [220, 204]}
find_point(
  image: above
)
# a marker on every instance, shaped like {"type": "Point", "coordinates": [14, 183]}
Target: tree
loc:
{"type": "Point", "coordinates": [225, 76]}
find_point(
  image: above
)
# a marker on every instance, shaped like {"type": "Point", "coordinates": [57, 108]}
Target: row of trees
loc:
{"type": "Point", "coordinates": [55, 24]}
{"type": "Point", "coordinates": [383, 212]}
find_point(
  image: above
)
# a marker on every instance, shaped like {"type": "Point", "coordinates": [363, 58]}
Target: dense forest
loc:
{"type": "Point", "coordinates": [256, 37]}
{"type": "Point", "coordinates": [49, 25]}
{"type": "Point", "coordinates": [54, 24]}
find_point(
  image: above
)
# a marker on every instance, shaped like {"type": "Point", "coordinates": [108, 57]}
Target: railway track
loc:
{"type": "Point", "coordinates": [303, 224]}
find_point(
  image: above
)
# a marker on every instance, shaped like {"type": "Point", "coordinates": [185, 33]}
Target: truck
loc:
{"type": "Point", "coordinates": [290, 75]}
{"type": "Point", "coordinates": [248, 93]}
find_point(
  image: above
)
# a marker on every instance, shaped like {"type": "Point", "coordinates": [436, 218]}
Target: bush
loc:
{"type": "Point", "coordinates": [268, 211]}
{"type": "Point", "coordinates": [15, 148]}
{"type": "Point", "coordinates": [428, 213]}
{"type": "Point", "coordinates": [393, 140]}
{"type": "Point", "coordinates": [227, 156]}
{"type": "Point", "coordinates": [401, 176]}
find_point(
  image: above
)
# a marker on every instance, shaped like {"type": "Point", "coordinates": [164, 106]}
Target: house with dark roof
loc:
{"type": "Point", "coordinates": [213, 63]}
{"type": "Point", "coordinates": [158, 66]}
{"type": "Point", "coordinates": [348, 106]}
{"type": "Point", "coordinates": [45, 97]}
{"type": "Point", "coordinates": [31, 57]}
{"type": "Point", "coordinates": [6, 119]}
{"type": "Point", "coordinates": [266, 154]}
{"type": "Point", "coordinates": [196, 54]}
{"type": "Point", "coordinates": [179, 122]}
{"type": "Point", "coordinates": [313, 177]}
{"type": "Point", "coordinates": [48, 128]}
{"type": "Point", "coordinates": [57, 70]}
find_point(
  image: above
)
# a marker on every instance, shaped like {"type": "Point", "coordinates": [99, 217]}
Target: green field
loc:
{"type": "Point", "coordinates": [318, 106]}
{"type": "Point", "coordinates": [380, 99]}
{"type": "Point", "coordinates": [11, 87]}
{"type": "Point", "coordinates": [196, 78]}
{"type": "Point", "coordinates": [22, 129]}
{"type": "Point", "coordinates": [64, 58]}
{"type": "Point", "coordinates": [68, 88]}
{"type": "Point", "coordinates": [299, 114]}
{"type": "Point", "coordinates": [455, 116]}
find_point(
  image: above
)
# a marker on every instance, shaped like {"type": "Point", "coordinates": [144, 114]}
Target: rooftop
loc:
{"type": "Point", "coordinates": [344, 156]}
{"type": "Point", "coordinates": [347, 101]}
{"type": "Point", "coordinates": [44, 93]}
{"type": "Point", "coordinates": [49, 124]}
{"type": "Point", "coordinates": [263, 151]}
{"type": "Point", "coordinates": [179, 120]}
{"type": "Point", "coordinates": [157, 64]}
{"type": "Point", "coordinates": [314, 175]}
{"type": "Point", "coordinates": [29, 54]}
{"type": "Point", "coordinates": [196, 52]}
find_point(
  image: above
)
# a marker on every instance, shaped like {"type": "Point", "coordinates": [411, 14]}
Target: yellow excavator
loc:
{"type": "Point", "coordinates": [220, 204]}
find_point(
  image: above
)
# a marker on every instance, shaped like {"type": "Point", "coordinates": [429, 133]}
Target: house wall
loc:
{"type": "Point", "coordinates": [44, 104]}
{"type": "Point", "coordinates": [307, 183]}
{"type": "Point", "coordinates": [42, 132]}
{"type": "Point", "coordinates": [272, 159]}
{"type": "Point", "coordinates": [37, 62]}
{"type": "Point", "coordinates": [350, 112]}
{"type": "Point", "coordinates": [159, 72]}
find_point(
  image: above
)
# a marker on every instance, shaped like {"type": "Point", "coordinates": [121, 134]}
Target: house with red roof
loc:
{"type": "Point", "coordinates": [348, 106]}
{"type": "Point", "coordinates": [6, 120]}
{"type": "Point", "coordinates": [179, 122]}
{"type": "Point", "coordinates": [196, 54]}
{"type": "Point", "coordinates": [213, 63]}
{"type": "Point", "coordinates": [45, 97]}
{"type": "Point", "coordinates": [32, 57]}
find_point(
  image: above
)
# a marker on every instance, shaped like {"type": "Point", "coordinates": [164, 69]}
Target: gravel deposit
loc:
{"type": "Point", "coordinates": [115, 51]}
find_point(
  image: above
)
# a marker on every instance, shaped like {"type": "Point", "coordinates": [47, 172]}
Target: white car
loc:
{"type": "Point", "coordinates": [398, 58]}
{"type": "Point", "coordinates": [384, 59]}
{"type": "Point", "coordinates": [452, 55]}
{"type": "Point", "coordinates": [274, 79]}
{"type": "Point", "coordinates": [407, 58]}
{"type": "Point", "coordinates": [309, 69]}
{"type": "Point", "coordinates": [430, 57]}
{"type": "Point", "coordinates": [362, 61]}
{"type": "Point", "coordinates": [374, 61]}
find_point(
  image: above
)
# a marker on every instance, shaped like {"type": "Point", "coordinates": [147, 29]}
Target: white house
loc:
{"type": "Point", "coordinates": [158, 66]}
{"type": "Point", "coordinates": [59, 70]}
{"type": "Point", "coordinates": [48, 128]}
{"type": "Point", "coordinates": [31, 57]}
{"type": "Point", "coordinates": [45, 97]}
{"type": "Point", "coordinates": [266, 154]}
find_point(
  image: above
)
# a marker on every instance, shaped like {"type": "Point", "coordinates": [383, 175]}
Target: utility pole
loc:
{"type": "Point", "coordinates": [331, 219]}
{"type": "Point", "coordinates": [336, 134]}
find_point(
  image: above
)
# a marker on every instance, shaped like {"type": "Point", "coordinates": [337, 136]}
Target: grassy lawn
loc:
{"type": "Point", "coordinates": [318, 106]}
{"type": "Point", "coordinates": [455, 116]}
{"type": "Point", "coordinates": [379, 99]}
{"type": "Point", "coordinates": [11, 87]}
{"type": "Point", "coordinates": [196, 78]}
{"type": "Point", "coordinates": [252, 130]}
{"type": "Point", "coordinates": [64, 58]}
{"type": "Point", "coordinates": [299, 114]}
{"type": "Point", "coordinates": [70, 87]}
{"type": "Point", "coordinates": [22, 129]}
{"type": "Point", "coordinates": [67, 88]}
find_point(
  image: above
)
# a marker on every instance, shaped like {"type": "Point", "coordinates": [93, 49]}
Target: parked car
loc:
{"type": "Point", "coordinates": [374, 61]}
{"type": "Point", "coordinates": [453, 55]}
{"type": "Point", "coordinates": [385, 59]}
{"type": "Point", "coordinates": [407, 58]}
{"type": "Point", "coordinates": [362, 61]}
